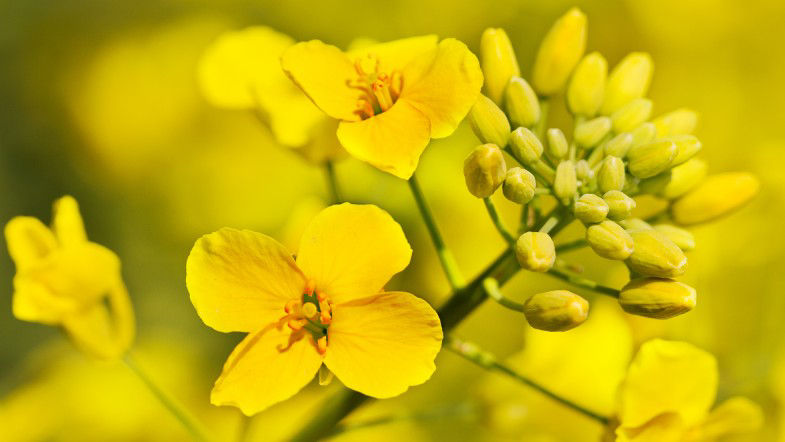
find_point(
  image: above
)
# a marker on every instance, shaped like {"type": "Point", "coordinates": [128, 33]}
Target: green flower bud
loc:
{"type": "Point", "coordinates": [583, 171]}
{"type": "Point", "coordinates": [631, 115]}
{"type": "Point", "coordinates": [519, 185]}
{"type": "Point", "coordinates": [535, 251]}
{"type": "Point", "coordinates": [631, 185]}
{"type": "Point", "coordinates": [718, 195]}
{"type": "Point", "coordinates": [559, 52]}
{"type": "Point", "coordinates": [587, 85]}
{"type": "Point", "coordinates": [589, 133]}
{"type": "Point", "coordinates": [590, 209]}
{"type": "Point", "coordinates": [566, 182]}
{"type": "Point", "coordinates": [484, 170]}
{"type": "Point", "coordinates": [610, 240]}
{"type": "Point", "coordinates": [643, 134]}
{"type": "Point", "coordinates": [627, 81]}
{"type": "Point", "coordinates": [657, 298]}
{"type": "Point", "coordinates": [498, 61]}
{"type": "Point", "coordinates": [525, 145]}
{"type": "Point", "coordinates": [489, 122]}
{"type": "Point", "coordinates": [618, 145]}
{"type": "Point", "coordinates": [619, 204]}
{"type": "Point", "coordinates": [521, 102]}
{"type": "Point", "coordinates": [635, 224]}
{"type": "Point", "coordinates": [678, 122]}
{"type": "Point", "coordinates": [684, 178]}
{"type": "Point", "coordinates": [656, 255]}
{"type": "Point", "coordinates": [679, 236]}
{"type": "Point", "coordinates": [557, 310]}
{"type": "Point", "coordinates": [611, 174]}
{"type": "Point", "coordinates": [687, 146]}
{"type": "Point", "coordinates": [557, 143]}
{"type": "Point", "coordinates": [651, 159]}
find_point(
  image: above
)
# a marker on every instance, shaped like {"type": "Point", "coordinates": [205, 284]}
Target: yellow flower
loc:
{"type": "Point", "coordinates": [667, 395]}
{"type": "Point", "coordinates": [327, 307]}
{"type": "Point", "coordinates": [391, 98]}
{"type": "Point", "coordinates": [63, 279]}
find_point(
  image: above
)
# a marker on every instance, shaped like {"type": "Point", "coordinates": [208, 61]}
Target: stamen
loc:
{"type": "Point", "coordinates": [297, 324]}
{"type": "Point", "coordinates": [291, 306]}
{"type": "Point", "coordinates": [321, 345]}
{"type": "Point", "coordinates": [382, 93]}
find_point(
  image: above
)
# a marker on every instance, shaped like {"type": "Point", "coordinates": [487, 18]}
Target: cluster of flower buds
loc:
{"type": "Point", "coordinates": [616, 154]}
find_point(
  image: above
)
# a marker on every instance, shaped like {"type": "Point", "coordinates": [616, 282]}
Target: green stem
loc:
{"type": "Point", "coordinates": [449, 411]}
{"type": "Point", "coordinates": [332, 182]}
{"type": "Point", "coordinates": [586, 283]}
{"type": "Point", "coordinates": [497, 221]}
{"type": "Point", "coordinates": [185, 418]}
{"type": "Point", "coordinates": [572, 245]}
{"type": "Point", "coordinates": [493, 290]}
{"type": "Point", "coordinates": [446, 257]}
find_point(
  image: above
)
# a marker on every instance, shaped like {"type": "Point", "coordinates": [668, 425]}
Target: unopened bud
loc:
{"type": "Point", "coordinates": [484, 170]}
{"type": "Point", "coordinates": [566, 182]}
{"type": "Point", "coordinates": [590, 209]}
{"type": "Point", "coordinates": [679, 122]}
{"type": "Point", "coordinates": [498, 61]}
{"type": "Point", "coordinates": [519, 185]}
{"type": "Point", "coordinates": [525, 146]}
{"type": "Point", "coordinates": [589, 133]}
{"type": "Point", "coordinates": [627, 81]}
{"type": "Point", "coordinates": [656, 255]}
{"type": "Point", "coordinates": [718, 195]}
{"type": "Point", "coordinates": [651, 159]}
{"type": "Point", "coordinates": [557, 310]}
{"type": "Point", "coordinates": [587, 85]}
{"type": "Point", "coordinates": [521, 102]}
{"type": "Point", "coordinates": [657, 298]}
{"type": "Point", "coordinates": [679, 236]}
{"type": "Point", "coordinates": [489, 122]}
{"type": "Point", "coordinates": [559, 52]}
{"type": "Point", "coordinates": [557, 144]}
{"type": "Point", "coordinates": [535, 251]}
{"type": "Point", "coordinates": [643, 134]}
{"type": "Point", "coordinates": [610, 240]}
{"type": "Point", "coordinates": [618, 145]}
{"type": "Point", "coordinates": [635, 224]}
{"type": "Point", "coordinates": [583, 171]}
{"type": "Point", "coordinates": [611, 174]}
{"type": "Point", "coordinates": [684, 178]}
{"type": "Point", "coordinates": [687, 146]}
{"type": "Point", "coordinates": [631, 115]}
{"type": "Point", "coordinates": [619, 204]}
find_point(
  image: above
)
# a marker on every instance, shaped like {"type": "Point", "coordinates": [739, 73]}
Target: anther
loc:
{"type": "Point", "coordinates": [321, 345]}
{"type": "Point", "coordinates": [296, 324]}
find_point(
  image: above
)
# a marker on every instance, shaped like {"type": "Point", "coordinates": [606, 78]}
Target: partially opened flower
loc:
{"type": "Point", "coordinates": [64, 279]}
{"type": "Point", "coordinates": [391, 98]}
{"type": "Point", "coordinates": [327, 306]}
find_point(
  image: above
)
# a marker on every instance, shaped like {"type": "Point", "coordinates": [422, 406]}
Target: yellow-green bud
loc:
{"type": "Point", "coordinates": [619, 204]}
{"type": "Point", "coordinates": [643, 134]}
{"type": "Point", "coordinates": [535, 251]}
{"type": "Point", "coordinates": [525, 145]}
{"type": "Point", "coordinates": [557, 310]}
{"type": "Point", "coordinates": [587, 85]}
{"type": "Point", "coordinates": [583, 171]}
{"type": "Point", "coordinates": [484, 170]}
{"type": "Point", "coordinates": [684, 178]}
{"type": "Point", "coordinates": [618, 145]}
{"type": "Point", "coordinates": [718, 195]}
{"type": "Point", "coordinates": [519, 185]}
{"type": "Point", "coordinates": [651, 159]}
{"type": "Point", "coordinates": [679, 122]}
{"type": "Point", "coordinates": [635, 224]}
{"type": "Point", "coordinates": [566, 182]}
{"type": "Point", "coordinates": [590, 209]}
{"type": "Point", "coordinates": [611, 174]}
{"type": "Point", "coordinates": [559, 52]}
{"type": "Point", "coordinates": [610, 240]}
{"type": "Point", "coordinates": [557, 143]}
{"type": "Point", "coordinates": [590, 133]}
{"type": "Point", "coordinates": [687, 146]}
{"type": "Point", "coordinates": [627, 81]}
{"type": "Point", "coordinates": [489, 122]}
{"type": "Point", "coordinates": [631, 115]}
{"type": "Point", "coordinates": [631, 184]}
{"type": "Point", "coordinates": [679, 236]}
{"type": "Point", "coordinates": [521, 102]}
{"type": "Point", "coordinates": [498, 61]}
{"type": "Point", "coordinates": [657, 298]}
{"type": "Point", "coordinates": [656, 255]}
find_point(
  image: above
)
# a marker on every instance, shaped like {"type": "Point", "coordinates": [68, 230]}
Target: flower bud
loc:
{"type": "Point", "coordinates": [679, 122]}
{"type": "Point", "coordinates": [557, 310]}
{"type": "Point", "coordinates": [557, 143]}
{"type": "Point", "coordinates": [589, 133]}
{"type": "Point", "coordinates": [590, 209]}
{"type": "Point", "coordinates": [583, 171]}
{"type": "Point", "coordinates": [718, 195]}
{"type": "Point", "coordinates": [679, 236]}
{"type": "Point", "coordinates": [525, 145]}
{"type": "Point", "coordinates": [686, 148]}
{"type": "Point", "coordinates": [559, 52]}
{"type": "Point", "coordinates": [519, 185]}
{"type": "Point", "coordinates": [489, 122]}
{"type": "Point", "coordinates": [587, 85]}
{"type": "Point", "coordinates": [631, 115]}
{"type": "Point", "coordinates": [656, 255]}
{"type": "Point", "coordinates": [619, 204]}
{"type": "Point", "coordinates": [521, 102]}
{"type": "Point", "coordinates": [650, 159]}
{"type": "Point", "coordinates": [657, 298]}
{"type": "Point", "coordinates": [611, 174]}
{"type": "Point", "coordinates": [484, 170]}
{"type": "Point", "coordinates": [566, 182]}
{"type": "Point", "coordinates": [684, 178]}
{"type": "Point", "coordinates": [634, 224]}
{"type": "Point", "coordinates": [627, 81]}
{"type": "Point", "coordinates": [618, 145]}
{"type": "Point", "coordinates": [498, 61]}
{"type": "Point", "coordinates": [535, 251]}
{"type": "Point", "coordinates": [643, 134]}
{"type": "Point", "coordinates": [610, 240]}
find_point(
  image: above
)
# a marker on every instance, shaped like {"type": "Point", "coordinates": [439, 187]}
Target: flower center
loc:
{"type": "Point", "coordinates": [311, 313]}
{"type": "Point", "coordinates": [379, 90]}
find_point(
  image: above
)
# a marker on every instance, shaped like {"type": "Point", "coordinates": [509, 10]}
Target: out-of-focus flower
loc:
{"type": "Point", "coordinates": [391, 98]}
{"type": "Point", "coordinates": [64, 279]}
{"type": "Point", "coordinates": [327, 307]}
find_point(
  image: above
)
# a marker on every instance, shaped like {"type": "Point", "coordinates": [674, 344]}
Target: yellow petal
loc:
{"type": "Point", "coordinates": [668, 377]}
{"type": "Point", "coordinates": [667, 427]}
{"type": "Point", "coordinates": [265, 369]}
{"type": "Point", "coordinates": [443, 84]}
{"type": "Point", "coordinates": [391, 141]}
{"type": "Point", "coordinates": [240, 280]}
{"type": "Point", "coordinates": [29, 241]}
{"type": "Point", "coordinates": [735, 415]}
{"type": "Point", "coordinates": [32, 301]}
{"type": "Point", "coordinates": [350, 251]}
{"type": "Point", "coordinates": [67, 223]}
{"type": "Point", "coordinates": [322, 72]}
{"type": "Point", "coordinates": [382, 345]}
{"type": "Point", "coordinates": [394, 55]}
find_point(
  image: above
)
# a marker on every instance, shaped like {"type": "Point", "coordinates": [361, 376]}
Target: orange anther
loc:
{"type": "Point", "coordinates": [309, 288]}
{"type": "Point", "coordinates": [296, 324]}
{"type": "Point", "coordinates": [291, 306]}
{"type": "Point", "coordinates": [321, 345]}
{"type": "Point", "coordinates": [321, 297]}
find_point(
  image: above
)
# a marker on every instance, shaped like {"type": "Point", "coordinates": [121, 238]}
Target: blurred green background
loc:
{"type": "Point", "coordinates": [98, 99]}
